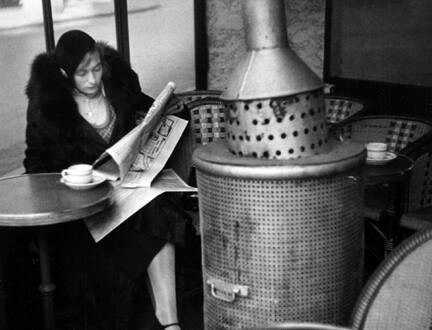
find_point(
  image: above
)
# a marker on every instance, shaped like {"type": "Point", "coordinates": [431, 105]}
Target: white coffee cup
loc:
{"type": "Point", "coordinates": [79, 173]}
{"type": "Point", "coordinates": [376, 150]}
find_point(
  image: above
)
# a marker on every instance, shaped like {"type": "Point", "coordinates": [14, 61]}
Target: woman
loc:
{"type": "Point", "coordinates": [83, 98]}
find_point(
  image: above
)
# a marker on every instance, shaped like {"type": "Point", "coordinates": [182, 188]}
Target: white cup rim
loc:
{"type": "Point", "coordinates": [79, 170]}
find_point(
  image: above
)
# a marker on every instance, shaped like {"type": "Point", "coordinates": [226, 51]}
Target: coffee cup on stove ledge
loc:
{"type": "Point", "coordinates": [376, 150]}
{"type": "Point", "coordinates": [78, 174]}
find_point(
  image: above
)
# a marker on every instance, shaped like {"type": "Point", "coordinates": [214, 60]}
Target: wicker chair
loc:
{"type": "Point", "coordinates": [182, 99]}
{"type": "Point", "coordinates": [207, 120]}
{"type": "Point", "coordinates": [418, 214]}
{"type": "Point", "coordinates": [207, 124]}
{"type": "Point", "coordinates": [179, 105]}
{"type": "Point", "coordinates": [340, 108]}
{"type": "Point", "coordinates": [399, 293]}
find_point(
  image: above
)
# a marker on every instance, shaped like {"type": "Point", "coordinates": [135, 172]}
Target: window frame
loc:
{"type": "Point", "coordinates": [122, 35]}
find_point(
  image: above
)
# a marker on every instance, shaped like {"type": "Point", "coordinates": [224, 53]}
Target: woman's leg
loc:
{"type": "Point", "coordinates": [161, 273]}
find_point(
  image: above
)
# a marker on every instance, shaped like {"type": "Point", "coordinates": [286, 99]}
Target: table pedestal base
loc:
{"type": "Point", "coordinates": [47, 287]}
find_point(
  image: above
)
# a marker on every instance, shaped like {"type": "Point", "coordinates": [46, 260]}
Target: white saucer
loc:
{"type": "Point", "coordinates": [388, 157]}
{"type": "Point", "coordinates": [97, 180]}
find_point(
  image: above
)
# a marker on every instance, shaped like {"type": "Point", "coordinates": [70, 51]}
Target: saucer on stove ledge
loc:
{"type": "Point", "coordinates": [388, 157]}
{"type": "Point", "coordinates": [97, 180]}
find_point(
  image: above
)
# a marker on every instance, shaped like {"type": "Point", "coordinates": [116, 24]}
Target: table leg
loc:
{"type": "Point", "coordinates": [393, 216]}
{"type": "Point", "coordinates": [46, 287]}
{"type": "Point", "coordinates": [3, 319]}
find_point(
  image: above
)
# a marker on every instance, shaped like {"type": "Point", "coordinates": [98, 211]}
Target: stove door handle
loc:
{"type": "Point", "coordinates": [226, 291]}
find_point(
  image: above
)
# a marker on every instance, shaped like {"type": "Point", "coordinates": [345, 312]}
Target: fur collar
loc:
{"type": "Point", "coordinates": [49, 93]}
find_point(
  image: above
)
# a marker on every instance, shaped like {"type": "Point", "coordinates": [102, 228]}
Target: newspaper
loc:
{"type": "Point", "coordinates": [140, 155]}
{"type": "Point", "coordinates": [128, 201]}
{"type": "Point", "coordinates": [154, 154]}
{"type": "Point", "coordinates": [136, 161]}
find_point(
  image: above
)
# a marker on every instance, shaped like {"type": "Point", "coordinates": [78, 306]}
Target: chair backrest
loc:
{"type": "Point", "coordinates": [419, 193]}
{"type": "Point", "coordinates": [397, 131]}
{"type": "Point", "coordinates": [398, 295]}
{"type": "Point", "coordinates": [206, 124]}
{"type": "Point", "coordinates": [184, 98]}
{"type": "Point", "coordinates": [339, 108]}
{"type": "Point", "coordinates": [207, 120]}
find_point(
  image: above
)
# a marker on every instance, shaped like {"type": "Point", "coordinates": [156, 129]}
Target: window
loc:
{"type": "Point", "coordinates": [161, 37]}
{"type": "Point", "coordinates": [21, 38]}
{"type": "Point", "coordinates": [156, 35]}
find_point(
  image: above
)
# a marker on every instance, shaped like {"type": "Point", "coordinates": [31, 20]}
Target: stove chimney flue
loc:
{"type": "Point", "coordinates": [264, 26]}
{"type": "Point", "coordinates": [269, 68]}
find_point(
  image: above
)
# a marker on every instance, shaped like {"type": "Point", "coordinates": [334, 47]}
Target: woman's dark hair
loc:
{"type": "Point", "coordinates": [71, 48]}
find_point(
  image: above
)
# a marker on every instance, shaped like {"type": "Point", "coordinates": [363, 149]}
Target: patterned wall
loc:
{"type": "Point", "coordinates": [226, 39]}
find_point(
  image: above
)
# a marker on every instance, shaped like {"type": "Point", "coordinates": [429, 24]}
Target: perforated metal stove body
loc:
{"type": "Point", "coordinates": [281, 239]}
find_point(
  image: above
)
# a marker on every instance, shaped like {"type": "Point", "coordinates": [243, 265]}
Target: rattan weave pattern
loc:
{"type": "Point", "coordinates": [297, 245]}
{"type": "Point", "coordinates": [396, 132]}
{"type": "Point", "coordinates": [399, 293]}
{"type": "Point", "coordinates": [207, 120]}
{"type": "Point", "coordinates": [339, 108]}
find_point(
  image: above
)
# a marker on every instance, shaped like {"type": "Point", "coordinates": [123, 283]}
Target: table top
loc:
{"type": "Point", "coordinates": [392, 171]}
{"type": "Point", "coordinates": [41, 199]}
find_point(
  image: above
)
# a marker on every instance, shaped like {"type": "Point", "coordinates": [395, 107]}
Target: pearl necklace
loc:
{"type": "Point", "coordinates": [94, 105]}
{"type": "Point", "coordinates": [89, 106]}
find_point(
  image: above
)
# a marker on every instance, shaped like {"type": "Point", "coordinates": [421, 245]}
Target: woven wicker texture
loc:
{"type": "Point", "coordinates": [397, 132]}
{"type": "Point", "coordinates": [419, 212]}
{"type": "Point", "coordinates": [207, 120]}
{"type": "Point", "coordinates": [278, 128]}
{"type": "Point", "coordinates": [181, 160]}
{"type": "Point", "coordinates": [296, 244]}
{"type": "Point", "coordinates": [399, 294]}
{"type": "Point", "coordinates": [340, 108]}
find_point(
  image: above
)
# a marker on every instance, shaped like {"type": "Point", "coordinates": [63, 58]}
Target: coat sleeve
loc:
{"type": "Point", "coordinates": [36, 154]}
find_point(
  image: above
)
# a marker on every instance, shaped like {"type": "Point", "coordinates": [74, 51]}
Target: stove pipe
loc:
{"type": "Point", "coordinates": [269, 68]}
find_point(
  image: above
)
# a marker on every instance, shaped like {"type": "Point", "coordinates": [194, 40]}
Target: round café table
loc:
{"type": "Point", "coordinates": [41, 200]}
{"type": "Point", "coordinates": [394, 174]}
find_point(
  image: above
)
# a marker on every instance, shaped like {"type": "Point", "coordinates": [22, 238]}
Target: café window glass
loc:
{"type": "Point", "coordinates": [156, 36]}
{"type": "Point", "coordinates": [21, 38]}
{"type": "Point", "coordinates": [161, 36]}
